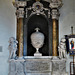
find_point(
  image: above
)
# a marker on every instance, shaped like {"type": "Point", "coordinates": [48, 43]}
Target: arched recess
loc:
{"type": "Point", "coordinates": [41, 22]}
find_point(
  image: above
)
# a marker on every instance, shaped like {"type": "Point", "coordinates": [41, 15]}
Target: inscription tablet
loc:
{"type": "Point", "coordinates": [38, 65]}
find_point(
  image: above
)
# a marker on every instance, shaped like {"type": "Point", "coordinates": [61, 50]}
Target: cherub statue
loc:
{"type": "Point", "coordinates": [62, 48]}
{"type": "Point", "coordinates": [12, 47]}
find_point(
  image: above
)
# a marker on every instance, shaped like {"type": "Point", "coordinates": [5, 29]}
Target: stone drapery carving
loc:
{"type": "Point", "coordinates": [12, 47]}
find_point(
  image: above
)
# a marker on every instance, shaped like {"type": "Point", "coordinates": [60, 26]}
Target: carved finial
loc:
{"type": "Point", "coordinates": [37, 29]}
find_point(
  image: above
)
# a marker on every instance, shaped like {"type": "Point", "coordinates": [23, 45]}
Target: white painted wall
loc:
{"type": "Point", "coordinates": [66, 20]}
{"type": "Point", "coordinates": [8, 28]}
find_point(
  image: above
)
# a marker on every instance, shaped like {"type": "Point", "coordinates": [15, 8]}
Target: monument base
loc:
{"type": "Point", "coordinates": [44, 65]}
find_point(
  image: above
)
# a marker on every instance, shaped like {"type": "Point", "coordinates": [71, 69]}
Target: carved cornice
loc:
{"type": "Point", "coordinates": [55, 14]}
{"type": "Point", "coordinates": [18, 4]}
{"type": "Point", "coordinates": [37, 8]}
{"type": "Point", "coordinates": [55, 4]}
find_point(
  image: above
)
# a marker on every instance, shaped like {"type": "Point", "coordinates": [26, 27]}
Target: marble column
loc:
{"type": "Point", "coordinates": [20, 37]}
{"type": "Point", "coordinates": [55, 31]}
{"type": "Point", "coordinates": [55, 37]}
{"type": "Point", "coordinates": [20, 15]}
{"type": "Point", "coordinates": [55, 5]}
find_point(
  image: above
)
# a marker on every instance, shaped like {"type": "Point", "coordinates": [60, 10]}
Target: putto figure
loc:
{"type": "Point", "coordinates": [62, 48]}
{"type": "Point", "coordinates": [12, 47]}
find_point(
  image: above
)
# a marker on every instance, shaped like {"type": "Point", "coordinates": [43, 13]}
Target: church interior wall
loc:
{"type": "Point", "coordinates": [66, 20]}
{"type": "Point", "coordinates": [8, 29]}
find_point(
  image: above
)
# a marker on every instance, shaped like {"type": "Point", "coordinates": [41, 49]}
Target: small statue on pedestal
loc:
{"type": "Point", "coordinates": [62, 48]}
{"type": "Point", "coordinates": [12, 47]}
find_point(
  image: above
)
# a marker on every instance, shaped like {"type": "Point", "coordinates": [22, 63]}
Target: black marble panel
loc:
{"type": "Point", "coordinates": [42, 23]}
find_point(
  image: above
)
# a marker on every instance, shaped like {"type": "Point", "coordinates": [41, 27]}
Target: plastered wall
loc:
{"type": "Point", "coordinates": [7, 30]}
{"type": "Point", "coordinates": [66, 20]}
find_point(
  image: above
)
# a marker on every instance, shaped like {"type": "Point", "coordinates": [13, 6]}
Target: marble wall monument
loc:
{"type": "Point", "coordinates": [43, 15]}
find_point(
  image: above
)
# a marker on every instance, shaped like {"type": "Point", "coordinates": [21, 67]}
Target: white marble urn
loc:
{"type": "Point", "coordinates": [37, 40]}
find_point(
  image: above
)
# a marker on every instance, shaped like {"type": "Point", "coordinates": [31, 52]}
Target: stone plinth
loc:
{"type": "Point", "coordinates": [59, 66]}
{"type": "Point", "coordinates": [44, 65]}
{"type": "Point", "coordinates": [16, 67]}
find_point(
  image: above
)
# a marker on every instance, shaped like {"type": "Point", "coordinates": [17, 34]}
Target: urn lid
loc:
{"type": "Point", "coordinates": [37, 34]}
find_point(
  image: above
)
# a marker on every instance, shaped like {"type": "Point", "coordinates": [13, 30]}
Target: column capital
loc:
{"type": "Point", "coordinates": [20, 8]}
{"type": "Point", "coordinates": [20, 13]}
{"type": "Point", "coordinates": [55, 4]}
{"type": "Point", "coordinates": [55, 14]}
